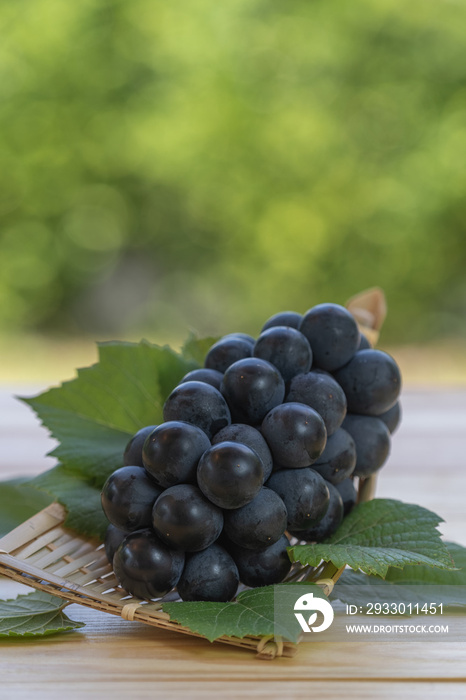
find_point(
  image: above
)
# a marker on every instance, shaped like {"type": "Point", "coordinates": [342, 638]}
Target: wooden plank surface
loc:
{"type": "Point", "coordinates": [118, 659]}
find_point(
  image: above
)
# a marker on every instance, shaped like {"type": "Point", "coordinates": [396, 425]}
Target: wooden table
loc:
{"type": "Point", "coordinates": [111, 658]}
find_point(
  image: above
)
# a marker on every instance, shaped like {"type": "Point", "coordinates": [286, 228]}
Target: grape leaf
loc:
{"type": "Point", "coordinates": [33, 615]}
{"type": "Point", "coordinates": [195, 349]}
{"type": "Point", "coordinates": [380, 534]}
{"type": "Point", "coordinates": [94, 415]}
{"type": "Point", "coordinates": [427, 575]}
{"type": "Point", "coordinates": [80, 497]}
{"type": "Point", "coordinates": [252, 613]}
{"type": "Point", "coordinates": [18, 502]}
{"type": "Point", "coordinates": [412, 584]}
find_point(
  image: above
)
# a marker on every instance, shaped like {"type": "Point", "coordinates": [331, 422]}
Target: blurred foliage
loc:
{"type": "Point", "coordinates": [207, 164]}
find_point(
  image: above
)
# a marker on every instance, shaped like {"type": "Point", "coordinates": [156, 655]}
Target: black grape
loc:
{"type": "Point", "coordinates": [392, 417]}
{"type": "Point", "coordinates": [348, 493]}
{"type": "Point", "coordinates": [226, 351]}
{"type": "Point", "coordinates": [320, 391]}
{"type": "Point", "coordinates": [209, 376]}
{"type": "Point", "coordinates": [372, 440]}
{"type": "Point", "coordinates": [184, 519]}
{"type": "Point", "coordinates": [252, 387]}
{"type": "Point", "coordinates": [133, 451]}
{"type": "Point", "coordinates": [113, 538]}
{"type": "Point", "coordinates": [338, 460]}
{"type": "Point", "coordinates": [145, 566]}
{"type": "Point", "coordinates": [171, 452]}
{"type": "Point", "coordinates": [200, 404]}
{"type": "Point", "coordinates": [209, 575]}
{"type": "Point", "coordinates": [295, 434]}
{"type": "Point", "coordinates": [364, 343]}
{"type": "Point", "coordinates": [243, 336]}
{"type": "Point", "coordinates": [371, 381]}
{"type": "Point", "coordinates": [247, 435]}
{"type": "Point", "coordinates": [262, 567]}
{"type": "Point", "coordinates": [332, 333]}
{"type": "Point", "coordinates": [259, 523]}
{"type": "Point", "coordinates": [284, 318]}
{"type": "Point", "coordinates": [286, 348]}
{"type": "Point", "coordinates": [329, 523]}
{"type": "Point", "coordinates": [230, 474]}
{"type": "Point", "coordinates": [304, 493]}
{"type": "Point", "coordinates": [127, 498]}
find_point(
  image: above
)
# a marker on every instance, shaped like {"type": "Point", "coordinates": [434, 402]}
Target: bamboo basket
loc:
{"type": "Point", "coordinates": [44, 554]}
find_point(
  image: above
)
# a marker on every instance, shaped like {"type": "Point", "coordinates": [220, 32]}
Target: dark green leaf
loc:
{"type": "Point", "coordinates": [94, 415]}
{"type": "Point", "coordinates": [377, 535]}
{"type": "Point", "coordinates": [415, 584]}
{"type": "Point", "coordinates": [80, 498]}
{"type": "Point", "coordinates": [18, 502]}
{"type": "Point", "coordinates": [252, 613]}
{"type": "Point", "coordinates": [429, 575]}
{"type": "Point", "coordinates": [34, 614]}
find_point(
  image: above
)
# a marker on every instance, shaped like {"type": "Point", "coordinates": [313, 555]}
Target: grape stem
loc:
{"type": "Point", "coordinates": [366, 490]}
{"type": "Point", "coordinates": [326, 575]}
{"type": "Point", "coordinates": [314, 574]}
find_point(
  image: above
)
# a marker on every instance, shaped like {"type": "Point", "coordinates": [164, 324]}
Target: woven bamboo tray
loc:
{"type": "Point", "coordinates": [44, 554]}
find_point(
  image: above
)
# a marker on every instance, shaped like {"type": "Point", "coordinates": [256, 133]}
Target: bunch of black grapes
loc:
{"type": "Point", "coordinates": [259, 446]}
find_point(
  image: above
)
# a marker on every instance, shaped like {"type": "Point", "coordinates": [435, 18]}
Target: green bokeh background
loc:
{"type": "Point", "coordinates": [205, 164]}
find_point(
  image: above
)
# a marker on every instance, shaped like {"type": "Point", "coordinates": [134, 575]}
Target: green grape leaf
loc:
{"type": "Point", "coordinates": [427, 575]}
{"type": "Point", "coordinates": [254, 612]}
{"type": "Point", "coordinates": [94, 415]}
{"type": "Point", "coordinates": [379, 534]}
{"type": "Point", "coordinates": [80, 497]}
{"type": "Point", "coordinates": [33, 615]}
{"type": "Point", "coordinates": [195, 349]}
{"type": "Point", "coordinates": [412, 584]}
{"type": "Point", "coordinates": [18, 502]}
